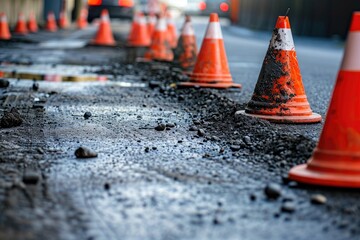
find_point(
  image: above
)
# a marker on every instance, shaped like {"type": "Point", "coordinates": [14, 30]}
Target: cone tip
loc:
{"type": "Point", "coordinates": [214, 17]}
{"type": "Point", "coordinates": [104, 12]}
{"type": "Point", "coordinates": [283, 22]}
{"type": "Point", "coordinates": [355, 23]}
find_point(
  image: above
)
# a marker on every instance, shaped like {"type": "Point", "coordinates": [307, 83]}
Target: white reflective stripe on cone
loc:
{"type": "Point", "coordinates": [161, 26]}
{"type": "Point", "coordinates": [283, 41]}
{"type": "Point", "coordinates": [105, 18]}
{"type": "Point", "coordinates": [214, 31]}
{"type": "Point", "coordinates": [141, 20]}
{"type": "Point", "coordinates": [351, 61]}
{"type": "Point", "coordinates": [188, 30]}
{"type": "Point", "coordinates": [3, 18]}
{"type": "Point", "coordinates": [152, 20]}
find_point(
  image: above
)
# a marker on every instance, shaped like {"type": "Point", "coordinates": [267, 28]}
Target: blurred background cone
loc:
{"type": "Point", "coordinates": [211, 69]}
{"type": "Point", "coordinates": [279, 95]}
{"type": "Point", "coordinates": [139, 35]}
{"type": "Point", "coordinates": [171, 30]}
{"type": "Point", "coordinates": [4, 27]}
{"type": "Point", "coordinates": [21, 27]}
{"type": "Point", "coordinates": [151, 23]}
{"type": "Point", "coordinates": [32, 23]}
{"type": "Point", "coordinates": [186, 51]}
{"type": "Point", "coordinates": [160, 48]}
{"type": "Point", "coordinates": [51, 23]}
{"type": "Point", "coordinates": [82, 19]}
{"type": "Point", "coordinates": [104, 34]}
{"type": "Point", "coordinates": [336, 160]}
{"type": "Point", "coordinates": [63, 20]}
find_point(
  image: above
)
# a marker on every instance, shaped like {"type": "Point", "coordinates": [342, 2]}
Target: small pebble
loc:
{"type": "Point", "coordinates": [83, 152]}
{"type": "Point", "coordinates": [106, 186]}
{"type": "Point", "coordinates": [318, 199]}
{"type": "Point", "coordinates": [87, 115]}
{"type": "Point", "coordinates": [31, 177]}
{"type": "Point", "coordinates": [170, 125]}
{"type": "Point", "coordinates": [35, 86]}
{"type": "Point", "coordinates": [160, 127]}
{"type": "Point", "coordinates": [4, 83]}
{"type": "Point", "coordinates": [288, 207]}
{"type": "Point", "coordinates": [201, 132]}
{"type": "Point", "coordinates": [273, 191]}
{"type": "Point", "coordinates": [235, 147]}
{"type": "Point", "coordinates": [193, 128]}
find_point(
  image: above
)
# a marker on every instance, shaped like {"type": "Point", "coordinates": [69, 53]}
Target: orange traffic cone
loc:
{"type": "Point", "coordinates": [186, 50]}
{"type": "Point", "coordinates": [104, 35]}
{"type": "Point", "coordinates": [63, 20]}
{"type": "Point", "coordinates": [160, 47]}
{"type": "Point", "coordinates": [336, 160]}
{"type": "Point", "coordinates": [171, 30]}
{"type": "Point", "coordinates": [51, 23]}
{"type": "Point", "coordinates": [139, 35]}
{"type": "Point", "coordinates": [4, 27]}
{"type": "Point", "coordinates": [32, 24]}
{"type": "Point", "coordinates": [82, 19]}
{"type": "Point", "coordinates": [279, 95]}
{"type": "Point", "coordinates": [151, 24]}
{"type": "Point", "coordinates": [20, 27]}
{"type": "Point", "coordinates": [211, 69]}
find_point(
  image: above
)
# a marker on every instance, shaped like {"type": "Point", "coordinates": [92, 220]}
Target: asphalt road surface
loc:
{"type": "Point", "coordinates": [203, 177]}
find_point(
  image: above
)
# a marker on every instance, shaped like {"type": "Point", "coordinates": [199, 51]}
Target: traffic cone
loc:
{"type": "Point", "coordinates": [186, 51]}
{"type": "Point", "coordinates": [63, 21]}
{"type": "Point", "coordinates": [32, 24]}
{"type": "Point", "coordinates": [279, 95]}
{"type": "Point", "coordinates": [139, 35]}
{"type": "Point", "coordinates": [51, 22]}
{"type": "Point", "coordinates": [4, 27]}
{"type": "Point", "coordinates": [171, 30]}
{"type": "Point", "coordinates": [151, 24]}
{"type": "Point", "coordinates": [20, 27]}
{"type": "Point", "coordinates": [82, 19]}
{"type": "Point", "coordinates": [160, 48]}
{"type": "Point", "coordinates": [104, 34]}
{"type": "Point", "coordinates": [336, 159]}
{"type": "Point", "coordinates": [211, 68]}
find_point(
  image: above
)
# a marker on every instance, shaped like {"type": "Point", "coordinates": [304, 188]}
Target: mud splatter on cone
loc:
{"type": "Point", "coordinates": [211, 69]}
{"type": "Point", "coordinates": [336, 160]}
{"type": "Point", "coordinates": [104, 34]}
{"type": "Point", "coordinates": [186, 50]}
{"type": "Point", "coordinates": [160, 48]}
{"type": "Point", "coordinates": [279, 95]}
{"type": "Point", "coordinates": [4, 27]}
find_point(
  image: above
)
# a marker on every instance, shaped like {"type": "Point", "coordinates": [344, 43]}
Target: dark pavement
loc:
{"type": "Point", "coordinates": [148, 184]}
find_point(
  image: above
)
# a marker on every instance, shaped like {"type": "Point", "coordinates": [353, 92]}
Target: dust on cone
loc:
{"type": "Point", "coordinates": [336, 159]}
{"type": "Point", "coordinates": [32, 24]}
{"type": "Point", "coordinates": [171, 31]}
{"type": "Point", "coordinates": [20, 27]}
{"type": "Point", "coordinates": [51, 22]}
{"type": "Point", "coordinates": [63, 20]}
{"type": "Point", "coordinates": [104, 34]}
{"type": "Point", "coordinates": [279, 95]}
{"type": "Point", "coordinates": [186, 50]}
{"type": "Point", "coordinates": [82, 19]}
{"type": "Point", "coordinates": [139, 35]}
{"type": "Point", "coordinates": [4, 27]}
{"type": "Point", "coordinates": [151, 23]}
{"type": "Point", "coordinates": [160, 48]}
{"type": "Point", "coordinates": [211, 69]}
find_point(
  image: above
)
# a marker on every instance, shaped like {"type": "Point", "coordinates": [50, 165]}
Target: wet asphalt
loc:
{"type": "Point", "coordinates": [170, 184]}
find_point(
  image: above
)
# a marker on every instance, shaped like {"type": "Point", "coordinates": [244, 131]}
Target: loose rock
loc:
{"type": "Point", "coordinates": [235, 147]}
{"type": "Point", "coordinates": [83, 152]}
{"type": "Point", "coordinates": [273, 191]}
{"type": "Point", "coordinates": [31, 177]}
{"type": "Point", "coordinates": [4, 83]}
{"type": "Point", "coordinates": [87, 115]}
{"type": "Point", "coordinates": [11, 119]}
{"type": "Point", "coordinates": [160, 127]}
{"type": "Point", "coordinates": [201, 132]}
{"type": "Point", "coordinates": [35, 86]}
{"type": "Point", "coordinates": [288, 207]}
{"type": "Point", "coordinates": [318, 199]}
